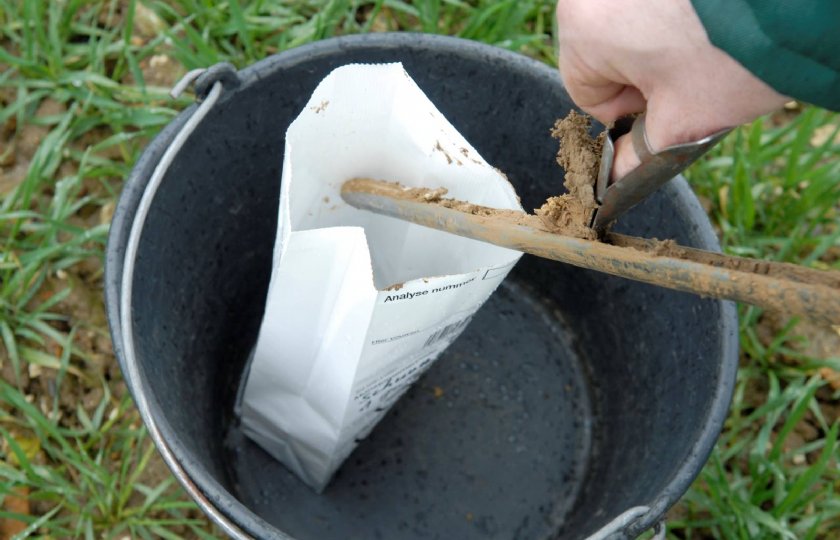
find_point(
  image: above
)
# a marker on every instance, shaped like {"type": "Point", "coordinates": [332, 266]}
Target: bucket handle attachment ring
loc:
{"type": "Point", "coordinates": [189, 78]}
{"type": "Point", "coordinates": [623, 521]}
{"type": "Point", "coordinates": [659, 530]}
{"type": "Point", "coordinates": [204, 81]}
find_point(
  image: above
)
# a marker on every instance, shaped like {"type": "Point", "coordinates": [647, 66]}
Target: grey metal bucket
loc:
{"type": "Point", "coordinates": [575, 405]}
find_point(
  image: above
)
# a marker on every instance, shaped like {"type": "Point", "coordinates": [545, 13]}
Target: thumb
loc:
{"type": "Point", "coordinates": [624, 158]}
{"type": "Point", "coordinates": [624, 100]}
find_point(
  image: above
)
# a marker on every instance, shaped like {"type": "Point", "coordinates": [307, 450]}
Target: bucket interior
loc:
{"type": "Point", "coordinates": [572, 396]}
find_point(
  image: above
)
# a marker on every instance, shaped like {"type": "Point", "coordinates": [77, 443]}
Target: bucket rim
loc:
{"type": "Point", "coordinates": [237, 520]}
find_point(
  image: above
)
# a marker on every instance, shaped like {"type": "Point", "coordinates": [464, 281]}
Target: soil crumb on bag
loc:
{"type": "Point", "coordinates": [580, 156]}
{"type": "Point", "coordinates": [569, 214]}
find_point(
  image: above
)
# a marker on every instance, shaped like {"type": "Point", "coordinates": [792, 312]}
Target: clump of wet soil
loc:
{"type": "Point", "coordinates": [580, 156]}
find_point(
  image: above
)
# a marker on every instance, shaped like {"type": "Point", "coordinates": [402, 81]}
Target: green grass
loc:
{"type": "Point", "coordinates": [774, 193]}
{"type": "Point", "coordinates": [87, 480]}
{"type": "Point", "coordinates": [84, 67]}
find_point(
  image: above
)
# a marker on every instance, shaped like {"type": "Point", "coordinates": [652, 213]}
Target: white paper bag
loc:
{"type": "Point", "coordinates": [360, 305]}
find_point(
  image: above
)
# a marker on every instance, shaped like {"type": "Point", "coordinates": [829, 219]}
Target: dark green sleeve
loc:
{"type": "Point", "coordinates": [792, 45]}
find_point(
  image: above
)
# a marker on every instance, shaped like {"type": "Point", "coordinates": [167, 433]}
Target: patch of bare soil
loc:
{"type": "Point", "coordinates": [820, 341]}
{"type": "Point", "coordinates": [815, 341]}
{"type": "Point", "coordinates": [18, 144]}
{"type": "Point", "coordinates": [158, 70]}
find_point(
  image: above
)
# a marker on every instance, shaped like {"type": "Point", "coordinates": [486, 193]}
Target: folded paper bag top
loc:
{"type": "Point", "coordinates": [337, 345]}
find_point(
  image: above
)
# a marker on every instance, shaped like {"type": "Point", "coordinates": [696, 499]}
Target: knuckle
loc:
{"type": "Point", "coordinates": [565, 11]}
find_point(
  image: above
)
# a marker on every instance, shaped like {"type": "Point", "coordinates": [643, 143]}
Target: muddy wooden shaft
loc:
{"type": "Point", "coordinates": [814, 298]}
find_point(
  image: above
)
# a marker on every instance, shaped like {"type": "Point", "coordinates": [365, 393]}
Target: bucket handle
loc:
{"type": "Point", "coordinates": [209, 84]}
{"type": "Point", "coordinates": [618, 526]}
{"type": "Point", "coordinates": [204, 80]}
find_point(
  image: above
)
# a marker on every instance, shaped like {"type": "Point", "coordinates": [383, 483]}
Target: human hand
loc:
{"type": "Point", "coordinates": [622, 57]}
